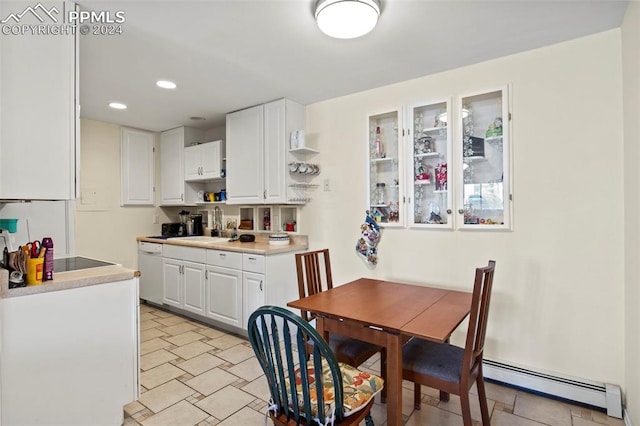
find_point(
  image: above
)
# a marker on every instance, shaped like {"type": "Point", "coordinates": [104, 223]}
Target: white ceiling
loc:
{"type": "Point", "coordinates": [226, 55]}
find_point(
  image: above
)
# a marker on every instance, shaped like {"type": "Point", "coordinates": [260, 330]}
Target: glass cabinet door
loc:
{"type": "Point", "coordinates": [482, 144]}
{"type": "Point", "coordinates": [385, 186]}
{"type": "Point", "coordinates": [429, 154]}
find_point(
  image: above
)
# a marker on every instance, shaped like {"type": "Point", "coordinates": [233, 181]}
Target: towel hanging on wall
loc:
{"type": "Point", "coordinates": [368, 241]}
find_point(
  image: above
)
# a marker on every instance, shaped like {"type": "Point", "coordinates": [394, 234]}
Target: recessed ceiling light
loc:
{"type": "Point", "coordinates": [117, 105]}
{"type": "Point", "coordinates": [166, 84]}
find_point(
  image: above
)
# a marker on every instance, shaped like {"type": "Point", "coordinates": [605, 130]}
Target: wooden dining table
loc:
{"type": "Point", "coordinates": [387, 313]}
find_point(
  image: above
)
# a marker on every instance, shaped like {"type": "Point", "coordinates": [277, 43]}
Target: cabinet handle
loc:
{"type": "Point", "coordinates": [206, 274]}
{"type": "Point", "coordinates": [264, 194]}
{"type": "Point", "coordinates": [448, 211]}
{"type": "Point", "coordinates": [181, 197]}
{"type": "Point", "coordinates": [223, 254]}
{"type": "Point", "coordinates": [460, 211]}
{"type": "Point", "coordinates": [251, 258]}
{"type": "Point", "coordinates": [260, 285]}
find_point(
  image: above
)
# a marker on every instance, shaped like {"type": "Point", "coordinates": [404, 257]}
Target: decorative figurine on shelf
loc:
{"type": "Point", "coordinates": [422, 174]}
{"type": "Point", "coordinates": [495, 128]}
{"type": "Point", "coordinates": [379, 153]}
{"type": "Point", "coordinates": [441, 177]}
{"type": "Point", "coordinates": [394, 215]}
{"type": "Point", "coordinates": [424, 145]}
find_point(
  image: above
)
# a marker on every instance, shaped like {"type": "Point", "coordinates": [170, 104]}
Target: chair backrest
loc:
{"type": "Point", "coordinates": [274, 334]}
{"type": "Point", "coordinates": [476, 332]}
{"type": "Point", "coordinates": [314, 275]}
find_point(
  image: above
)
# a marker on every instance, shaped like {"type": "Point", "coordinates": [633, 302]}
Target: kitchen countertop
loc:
{"type": "Point", "coordinates": [68, 280]}
{"type": "Point", "coordinates": [260, 246]}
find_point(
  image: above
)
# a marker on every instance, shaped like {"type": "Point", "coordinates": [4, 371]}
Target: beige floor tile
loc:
{"type": "Point", "coordinates": [163, 396]}
{"type": "Point", "coordinates": [133, 408]}
{"type": "Point", "coordinates": [453, 405]}
{"type": "Point", "coordinates": [128, 421]}
{"type": "Point", "coordinates": [151, 333]}
{"type": "Point", "coordinates": [145, 316]}
{"type": "Point", "coordinates": [180, 328]}
{"type": "Point", "coordinates": [200, 364]}
{"type": "Point", "coordinates": [159, 375]}
{"type": "Point", "coordinates": [244, 417]}
{"type": "Point", "coordinates": [236, 354]}
{"type": "Point", "coordinates": [153, 345]}
{"type": "Point", "coordinates": [249, 369]}
{"type": "Point", "coordinates": [428, 415]}
{"type": "Point", "coordinates": [500, 418]}
{"type": "Point", "coordinates": [498, 393]}
{"type": "Point", "coordinates": [226, 341]}
{"type": "Point", "coordinates": [172, 320]}
{"type": "Point", "coordinates": [258, 388]}
{"type": "Point", "coordinates": [543, 410]}
{"type": "Point", "coordinates": [145, 325]}
{"type": "Point", "coordinates": [191, 350]}
{"type": "Point", "coordinates": [184, 338]}
{"type": "Point", "coordinates": [225, 402]}
{"type": "Point", "coordinates": [602, 418]}
{"type": "Point", "coordinates": [156, 358]}
{"type": "Point", "coordinates": [211, 333]}
{"type": "Point", "coordinates": [211, 381]}
{"type": "Point", "coordinates": [182, 414]}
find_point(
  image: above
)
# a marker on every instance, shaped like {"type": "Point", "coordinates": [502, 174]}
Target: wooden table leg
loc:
{"type": "Point", "coordinates": [394, 380]}
{"type": "Point", "coordinates": [320, 328]}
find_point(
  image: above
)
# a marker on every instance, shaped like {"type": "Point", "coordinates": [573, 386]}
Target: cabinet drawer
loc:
{"type": "Point", "coordinates": [191, 254]}
{"type": "Point", "coordinates": [253, 263]}
{"type": "Point", "coordinates": [227, 259]}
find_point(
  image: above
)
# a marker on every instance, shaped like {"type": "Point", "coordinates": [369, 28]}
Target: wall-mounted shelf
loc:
{"type": "Point", "coordinates": [304, 151]}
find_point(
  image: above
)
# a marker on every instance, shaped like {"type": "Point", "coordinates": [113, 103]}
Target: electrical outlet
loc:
{"type": "Point", "coordinates": [326, 185]}
{"type": "Point", "coordinates": [156, 219]}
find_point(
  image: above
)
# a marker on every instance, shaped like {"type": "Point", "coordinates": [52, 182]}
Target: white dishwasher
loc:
{"type": "Point", "coordinates": [150, 267]}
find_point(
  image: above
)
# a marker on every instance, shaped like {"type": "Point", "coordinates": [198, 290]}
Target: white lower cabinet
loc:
{"type": "Point", "coordinates": [253, 292]}
{"type": "Point", "coordinates": [183, 276]}
{"type": "Point", "coordinates": [224, 295]}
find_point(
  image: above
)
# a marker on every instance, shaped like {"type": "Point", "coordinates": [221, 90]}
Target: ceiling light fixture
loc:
{"type": "Point", "coordinates": [347, 18]}
{"type": "Point", "coordinates": [117, 105]}
{"type": "Point", "coordinates": [166, 84]}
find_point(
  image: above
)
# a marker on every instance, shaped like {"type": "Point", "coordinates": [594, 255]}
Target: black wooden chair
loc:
{"type": "Point", "coordinates": [450, 368]}
{"type": "Point", "coordinates": [314, 276]}
{"type": "Point", "coordinates": [301, 396]}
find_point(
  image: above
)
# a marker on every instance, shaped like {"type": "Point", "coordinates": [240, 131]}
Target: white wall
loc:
{"type": "Point", "coordinates": [104, 229]}
{"type": "Point", "coordinates": [631, 84]}
{"type": "Point", "coordinates": [559, 284]}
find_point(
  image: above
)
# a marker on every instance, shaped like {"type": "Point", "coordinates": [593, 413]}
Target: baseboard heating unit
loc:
{"type": "Point", "coordinates": [594, 394]}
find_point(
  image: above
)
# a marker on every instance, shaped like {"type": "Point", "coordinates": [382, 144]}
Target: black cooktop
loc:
{"type": "Point", "coordinates": [66, 264]}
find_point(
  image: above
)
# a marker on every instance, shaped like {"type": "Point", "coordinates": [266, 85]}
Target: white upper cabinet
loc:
{"type": "Point", "coordinates": [203, 161]}
{"type": "Point", "coordinates": [173, 190]}
{"type": "Point", "coordinates": [38, 111]}
{"type": "Point", "coordinates": [137, 167]}
{"type": "Point", "coordinates": [257, 151]}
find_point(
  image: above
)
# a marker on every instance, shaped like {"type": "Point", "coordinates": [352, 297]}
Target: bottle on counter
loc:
{"type": "Point", "coordinates": [47, 243]}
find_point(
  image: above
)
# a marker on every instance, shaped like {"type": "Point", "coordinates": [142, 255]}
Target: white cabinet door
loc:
{"type": "Point", "coordinates": [211, 159]}
{"type": "Point", "coordinates": [38, 110]}
{"type": "Point", "coordinates": [224, 295]}
{"type": "Point", "coordinates": [192, 162]}
{"type": "Point", "coordinates": [136, 167]}
{"type": "Point", "coordinates": [275, 151]}
{"type": "Point", "coordinates": [253, 287]}
{"type": "Point", "coordinates": [194, 282]}
{"type": "Point", "coordinates": [172, 282]}
{"type": "Point", "coordinates": [172, 167]}
{"type": "Point", "coordinates": [245, 156]}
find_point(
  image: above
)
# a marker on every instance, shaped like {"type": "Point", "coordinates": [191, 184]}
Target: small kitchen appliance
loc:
{"type": "Point", "coordinates": [196, 225]}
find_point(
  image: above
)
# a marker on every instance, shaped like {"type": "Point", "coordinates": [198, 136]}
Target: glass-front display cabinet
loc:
{"type": "Point", "coordinates": [482, 145]}
{"type": "Point", "coordinates": [385, 174]}
{"type": "Point", "coordinates": [429, 154]}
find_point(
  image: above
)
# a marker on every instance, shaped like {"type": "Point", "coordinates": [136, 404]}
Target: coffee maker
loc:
{"type": "Point", "coordinates": [195, 225]}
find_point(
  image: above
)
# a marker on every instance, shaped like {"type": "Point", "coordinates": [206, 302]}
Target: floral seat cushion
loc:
{"type": "Point", "coordinates": [358, 388]}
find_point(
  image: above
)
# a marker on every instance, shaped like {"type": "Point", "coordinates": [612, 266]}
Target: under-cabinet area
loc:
{"type": "Point", "coordinates": [217, 285]}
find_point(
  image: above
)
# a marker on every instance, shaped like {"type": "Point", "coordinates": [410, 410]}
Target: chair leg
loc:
{"type": "Point", "coordinates": [417, 395]}
{"type": "Point", "coordinates": [368, 421]}
{"type": "Point", "coordinates": [482, 396]}
{"type": "Point", "coordinates": [444, 396]}
{"type": "Point", "coordinates": [466, 408]}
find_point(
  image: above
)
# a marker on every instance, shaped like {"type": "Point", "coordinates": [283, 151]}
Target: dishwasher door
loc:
{"type": "Point", "coordinates": [150, 267]}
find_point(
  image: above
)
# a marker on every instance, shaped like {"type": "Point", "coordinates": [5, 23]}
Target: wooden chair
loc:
{"type": "Point", "coordinates": [300, 396]}
{"type": "Point", "coordinates": [450, 368]}
{"type": "Point", "coordinates": [314, 276]}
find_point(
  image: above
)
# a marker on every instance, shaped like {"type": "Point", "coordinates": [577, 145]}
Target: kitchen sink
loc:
{"type": "Point", "coordinates": [203, 239]}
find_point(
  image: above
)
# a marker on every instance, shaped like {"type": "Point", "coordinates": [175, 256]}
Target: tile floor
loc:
{"type": "Point", "coordinates": [192, 374]}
